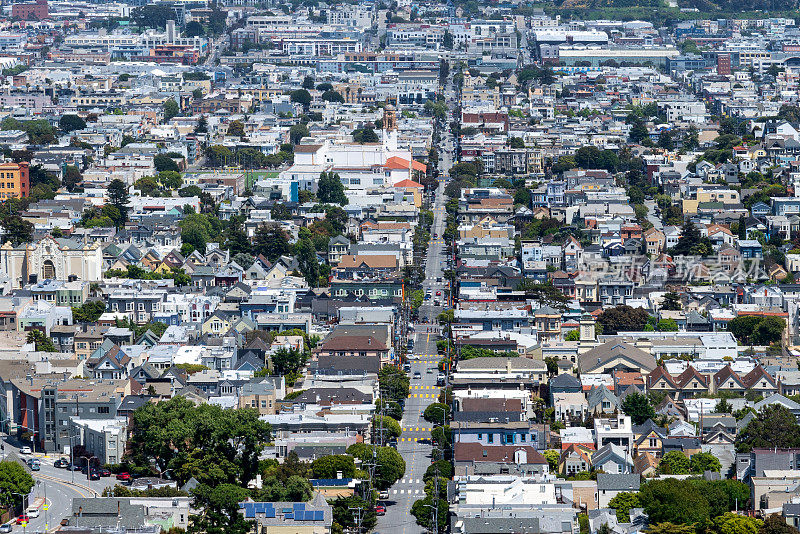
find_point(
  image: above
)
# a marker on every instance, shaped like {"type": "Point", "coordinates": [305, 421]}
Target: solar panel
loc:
{"type": "Point", "coordinates": [260, 507]}
{"type": "Point", "coordinates": [287, 515]}
{"type": "Point", "coordinates": [270, 512]}
{"type": "Point", "coordinates": [299, 516]}
{"type": "Point", "coordinates": [286, 510]}
{"type": "Point", "coordinates": [249, 510]}
{"type": "Point", "coordinates": [299, 506]}
{"type": "Point", "coordinates": [319, 515]}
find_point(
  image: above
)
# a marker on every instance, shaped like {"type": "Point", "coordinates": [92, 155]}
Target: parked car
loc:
{"type": "Point", "coordinates": [73, 467]}
{"type": "Point", "coordinates": [383, 495]}
{"type": "Point", "coordinates": [7, 527]}
{"type": "Point", "coordinates": [407, 367]}
{"type": "Point", "coordinates": [61, 463]}
{"type": "Point", "coordinates": [25, 450]}
{"type": "Point", "coordinates": [32, 512]}
{"type": "Point", "coordinates": [104, 472]}
{"type": "Point", "coordinates": [380, 510]}
{"type": "Point", "coordinates": [94, 475]}
{"type": "Point", "coordinates": [22, 518]}
{"type": "Point", "coordinates": [124, 476]}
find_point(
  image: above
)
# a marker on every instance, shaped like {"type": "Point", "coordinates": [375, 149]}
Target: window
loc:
{"type": "Point", "coordinates": [490, 438]}
{"type": "Point", "coordinates": [103, 409]}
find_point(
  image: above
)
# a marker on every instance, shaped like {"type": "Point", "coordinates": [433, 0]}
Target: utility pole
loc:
{"type": "Point", "coordinates": [358, 512]}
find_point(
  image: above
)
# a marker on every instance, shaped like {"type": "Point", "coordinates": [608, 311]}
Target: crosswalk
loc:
{"type": "Point", "coordinates": [407, 492]}
{"type": "Point", "coordinates": [423, 396]}
{"type": "Point", "coordinates": [425, 387]}
{"type": "Point", "coordinates": [417, 429]}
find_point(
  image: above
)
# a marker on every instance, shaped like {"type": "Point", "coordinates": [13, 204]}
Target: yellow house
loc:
{"type": "Point", "coordinates": [216, 325]}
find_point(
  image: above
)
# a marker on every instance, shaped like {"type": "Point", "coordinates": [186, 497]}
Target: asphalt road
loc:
{"type": "Point", "coordinates": [56, 488]}
{"type": "Point", "coordinates": [424, 391]}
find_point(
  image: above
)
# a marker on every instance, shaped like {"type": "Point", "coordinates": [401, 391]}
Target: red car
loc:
{"type": "Point", "coordinates": [438, 293]}
{"type": "Point", "coordinates": [123, 476]}
{"type": "Point", "coordinates": [22, 518]}
{"type": "Point", "coordinates": [380, 510]}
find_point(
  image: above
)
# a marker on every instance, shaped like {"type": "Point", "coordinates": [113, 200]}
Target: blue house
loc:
{"type": "Point", "coordinates": [750, 248]}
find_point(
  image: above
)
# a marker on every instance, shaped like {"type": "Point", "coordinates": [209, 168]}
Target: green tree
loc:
{"type": "Point", "coordinates": [271, 241]}
{"type": "Point", "coordinates": [13, 479]}
{"type": "Point", "coordinates": [667, 325]}
{"type": "Point", "coordinates": [672, 500]}
{"type": "Point", "coordinates": [332, 96]}
{"type": "Point", "coordinates": [302, 97]}
{"type": "Point", "coordinates": [72, 177]}
{"type": "Point", "coordinates": [704, 461]}
{"type": "Point", "coordinates": [16, 230]}
{"type": "Point", "coordinates": [235, 128]}
{"type": "Point", "coordinates": [214, 445]}
{"type": "Point", "coordinates": [391, 428]}
{"type": "Point", "coordinates": [440, 468]}
{"type": "Point", "coordinates": [219, 510]}
{"type": "Point", "coordinates": [171, 109]}
{"type": "Point", "coordinates": [69, 123]}
{"type": "Point", "coordinates": [516, 142]}
{"type": "Point", "coordinates": [298, 132]}
{"type": "Point", "coordinates": [163, 162]}
{"type": "Point", "coordinates": [671, 301]}
{"type": "Point", "coordinates": [623, 318]}
{"type": "Point", "coordinates": [330, 189]}
{"type": "Point", "coordinates": [689, 240]}
{"type": "Point", "coordinates": [670, 528]}
{"type": "Point", "coordinates": [675, 463]}
{"type": "Point", "coordinates": [308, 83]}
{"type": "Point", "coordinates": [622, 503]}
{"type": "Point", "coordinates": [330, 466]}
{"type": "Point", "coordinates": [730, 523]}
{"type": "Point", "coordinates": [88, 312]}
{"type": "Point", "coordinates": [773, 426]}
{"type": "Point", "coordinates": [365, 135]}
{"type": "Point", "coordinates": [436, 413]}
{"type": "Point", "coordinates": [421, 510]}
{"type": "Point", "coordinates": [775, 524]}
{"type": "Point", "coordinates": [345, 520]}
{"type": "Point", "coordinates": [552, 456]}
{"type": "Point", "coordinates": [306, 255]}
{"type": "Point", "coordinates": [638, 407]}
{"type": "Point", "coordinates": [394, 383]}
{"type": "Point", "coordinates": [390, 465]}
{"type": "Point", "coordinates": [118, 198]}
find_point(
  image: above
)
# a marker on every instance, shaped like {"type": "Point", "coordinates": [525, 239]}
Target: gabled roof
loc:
{"type": "Point", "coordinates": [396, 162]}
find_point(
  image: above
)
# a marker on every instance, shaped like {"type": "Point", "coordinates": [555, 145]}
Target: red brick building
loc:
{"type": "Point", "coordinates": [37, 10]}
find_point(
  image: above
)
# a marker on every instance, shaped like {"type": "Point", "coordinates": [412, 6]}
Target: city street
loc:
{"type": "Point", "coordinates": [56, 488]}
{"type": "Point", "coordinates": [424, 391]}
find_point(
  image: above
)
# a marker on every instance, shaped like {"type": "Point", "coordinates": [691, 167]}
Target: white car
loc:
{"type": "Point", "coordinates": [32, 512]}
{"type": "Point", "coordinates": [25, 450]}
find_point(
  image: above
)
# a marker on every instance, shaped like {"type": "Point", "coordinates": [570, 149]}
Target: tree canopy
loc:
{"type": "Point", "coordinates": [773, 426]}
{"type": "Point", "coordinates": [213, 445]}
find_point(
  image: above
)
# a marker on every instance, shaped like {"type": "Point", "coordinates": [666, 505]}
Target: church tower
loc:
{"type": "Point", "coordinates": [390, 128]}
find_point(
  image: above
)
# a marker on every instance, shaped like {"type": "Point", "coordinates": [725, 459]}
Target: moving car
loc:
{"type": "Point", "coordinates": [438, 293]}
{"type": "Point", "coordinates": [61, 462]}
{"type": "Point", "coordinates": [25, 450]}
{"type": "Point", "coordinates": [104, 472]}
{"type": "Point", "coordinates": [32, 512]}
{"type": "Point", "coordinates": [94, 475]}
{"type": "Point", "coordinates": [123, 476]}
{"type": "Point", "coordinates": [7, 527]}
{"type": "Point", "coordinates": [73, 467]}
{"type": "Point", "coordinates": [440, 379]}
{"type": "Point", "coordinates": [407, 367]}
{"type": "Point", "coordinates": [417, 374]}
{"type": "Point", "coordinates": [23, 518]}
{"type": "Point", "coordinates": [34, 464]}
{"type": "Point", "coordinates": [380, 510]}
{"type": "Point", "coordinates": [383, 495]}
